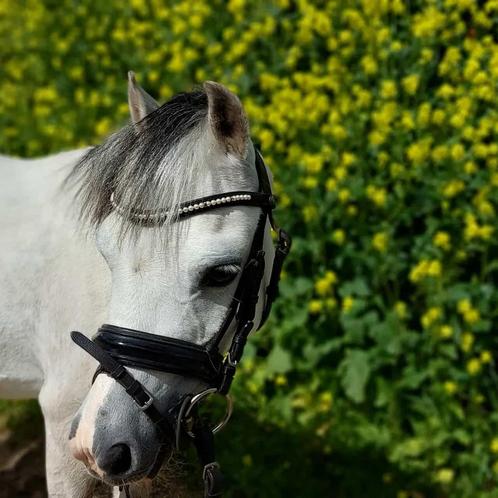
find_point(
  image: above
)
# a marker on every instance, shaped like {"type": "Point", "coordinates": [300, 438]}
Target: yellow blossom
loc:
{"type": "Point", "coordinates": [280, 380]}
{"type": "Point", "coordinates": [445, 475]}
{"type": "Point", "coordinates": [323, 286]}
{"type": "Point", "coordinates": [442, 239]}
{"type": "Point", "coordinates": [493, 446]}
{"type": "Point", "coordinates": [377, 195]}
{"type": "Point", "coordinates": [445, 331]}
{"type": "Point", "coordinates": [467, 342]}
{"type": "Point", "coordinates": [339, 236]}
{"type": "Point", "coordinates": [400, 309]}
{"type": "Point", "coordinates": [410, 83]}
{"type": "Point", "coordinates": [473, 366]}
{"type": "Point", "coordinates": [379, 241]}
{"type": "Point", "coordinates": [486, 357]}
{"type": "Point", "coordinates": [430, 316]}
{"type": "Point", "coordinates": [347, 303]}
{"type": "Point", "coordinates": [103, 127]}
{"type": "Point", "coordinates": [315, 306]}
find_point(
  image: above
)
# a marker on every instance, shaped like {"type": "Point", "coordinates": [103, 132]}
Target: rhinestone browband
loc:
{"type": "Point", "coordinates": [201, 204]}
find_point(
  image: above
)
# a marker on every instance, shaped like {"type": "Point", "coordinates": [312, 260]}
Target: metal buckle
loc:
{"type": "Point", "coordinates": [199, 397]}
{"type": "Point", "coordinates": [230, 361]}
{"type": "Point", "coordinates": [148, 402]}
{"type": "Point", "coordinates": [209, 466]}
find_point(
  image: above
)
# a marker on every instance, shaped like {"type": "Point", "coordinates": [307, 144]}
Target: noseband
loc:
{"type": "Point", "coordinates": [117, 347]}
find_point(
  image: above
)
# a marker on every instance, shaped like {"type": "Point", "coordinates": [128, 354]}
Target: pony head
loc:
{"type": "Point", "coordinates": [175, 280]}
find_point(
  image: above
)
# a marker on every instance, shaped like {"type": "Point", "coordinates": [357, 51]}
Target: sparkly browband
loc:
{"type": "Point", "coordinates": [237, 198]}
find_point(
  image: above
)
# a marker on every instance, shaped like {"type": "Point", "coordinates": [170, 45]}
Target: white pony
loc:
{"type": "Point", "coordinates": [70, 261]}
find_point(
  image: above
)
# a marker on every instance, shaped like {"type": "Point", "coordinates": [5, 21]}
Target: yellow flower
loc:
{"type": "Point", "coordinates": [467, 342]}
{"type": "Point", "coordinates": [331, 184]}
{"type": "Point", "coordinates": [453, 187]}
{"type": "Point", "coordinates": [418, 152]}
{"type": "Point", "coordinates": [379, 241]}
{"type": "Point", "coordinates": [450, 387]}
{"type": "Point", "coordinates": [344, 195]}
{"type": "Point", "coordinates": [103, 127]}
{"type": "Point", "coordinates": [442, 239]}
{"type": "Point", "coordinates": [445, 331]}
{"type": "Point", "coordinates": [323, 286]}
{"type": "Point", "coordinates": [445, 475]}
{"type": "Point", "coordinates": [388, 89]}
{"type": "Point", "coordinates": [430, 316]}
{"type": "Point", "coordinates": [425, 268]}
{"type": "Point", "coordinates": [410, 83]}
{"type": "Point", "coordinates": [310, 182]}
{"type": "Point", "coordinates": [470, 167]}
{"type": "Point", "coordinates": [486, 357]}
{"type": "Point", "coordinates": [325, 401]}
{"type": "Point", "coordinates": [369, 65]}
{"type": "Point", "coordinates": [457, 152]}
{"type": "Point", "coordinates": [309, 212]}
{"type": "Point", "coordinates": [280, 380]}
{"type": "Point", "coordinates": [313, 163]}
{"type": "Point", "coordinates": [493, 446]}
{"type": "Point", "coordinates": [315, 306]}
{"type": "Point", "coordinates": [377, 195]}
{"type": "Point", "coordinates": [352, 210]}
{"type": "Point", "coordinates": [473, 366]}
{"type": "Point", "coordinates": [339, 236]}
{"type": "Point", "coordinates": [400, 309]}
{"type": "Point", "coordinates": [347, 303]}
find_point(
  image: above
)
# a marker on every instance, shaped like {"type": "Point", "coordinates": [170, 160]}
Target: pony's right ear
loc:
{"type": "Point", "coordinates": [140, 102]}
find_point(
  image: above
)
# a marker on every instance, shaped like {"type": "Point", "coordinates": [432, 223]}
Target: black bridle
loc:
{"type": "Point", "coordinates": [116, 347]}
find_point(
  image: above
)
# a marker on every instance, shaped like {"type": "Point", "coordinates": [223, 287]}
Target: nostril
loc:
{"type": "Point", "coordinates": [116, 460]}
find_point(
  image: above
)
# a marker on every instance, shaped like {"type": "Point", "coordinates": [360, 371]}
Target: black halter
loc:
{"type": "Point", "coordinates": [116, 347]}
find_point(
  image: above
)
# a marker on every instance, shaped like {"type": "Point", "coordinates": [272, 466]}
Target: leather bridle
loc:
{"type": "Point", "coordinates": [117, 347]}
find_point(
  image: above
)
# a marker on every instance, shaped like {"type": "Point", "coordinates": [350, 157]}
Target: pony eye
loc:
{"type": "Point", "coordinates": [220, 276]}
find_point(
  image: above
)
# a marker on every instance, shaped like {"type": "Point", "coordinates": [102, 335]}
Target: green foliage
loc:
{"type": "Point", "coordinates": [378, 120]}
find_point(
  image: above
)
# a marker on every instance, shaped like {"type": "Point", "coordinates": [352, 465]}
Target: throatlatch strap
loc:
{"type": "Point", "coordinates": [132, 386]}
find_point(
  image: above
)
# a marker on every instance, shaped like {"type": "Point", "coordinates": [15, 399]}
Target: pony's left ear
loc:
{"type": "Point", "coordinates": [140, 102]}
{"type": "Point", "coordinates": [227, 118]}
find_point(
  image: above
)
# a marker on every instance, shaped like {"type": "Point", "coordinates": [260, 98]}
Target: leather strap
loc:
{"type": "Point", "coordinates": [133, 387]}
{"type": "Point", "coordinates": [281, 252]}
{"type": "Point", "coordinates": [204, 444]}
{"type": "Point", "coordinates": [164, 354]}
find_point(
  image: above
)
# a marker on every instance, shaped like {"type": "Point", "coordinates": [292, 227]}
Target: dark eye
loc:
{"type": "Point", "coordinates": [219, 276]}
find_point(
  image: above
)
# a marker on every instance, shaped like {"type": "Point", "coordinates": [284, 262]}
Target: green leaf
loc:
{"type": "Point", "coordinates": [278, 361]}
{"type": "Point", "coordinates": [356, 287]}
{"type": "Point", "coordinates": [356, 371]}
{"type": "Point", "coordinates": [295, 287]}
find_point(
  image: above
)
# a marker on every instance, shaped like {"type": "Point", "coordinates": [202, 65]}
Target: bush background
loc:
{"type": "Point", "coordinates": [375, 375]}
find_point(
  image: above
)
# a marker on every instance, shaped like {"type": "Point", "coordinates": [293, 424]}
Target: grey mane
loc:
{"type": "Point", "coordinates": [144, 166]}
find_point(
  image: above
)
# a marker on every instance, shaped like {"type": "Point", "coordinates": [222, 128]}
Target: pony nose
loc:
{"type": "Point", "coordinates": [116, 460]}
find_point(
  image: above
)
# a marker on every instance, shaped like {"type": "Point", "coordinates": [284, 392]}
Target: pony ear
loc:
{"type": "Point", "coordinates": [227, 118]}
{"type": "Point", "coordinates": [140, 102]}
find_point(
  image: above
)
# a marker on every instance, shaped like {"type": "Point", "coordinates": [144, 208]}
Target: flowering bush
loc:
{"type": "Point", "coordinates": [378, 118]}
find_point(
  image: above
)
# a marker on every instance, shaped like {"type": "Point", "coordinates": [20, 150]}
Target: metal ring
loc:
{"type": "Point", "coordinates": [199, 397]}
